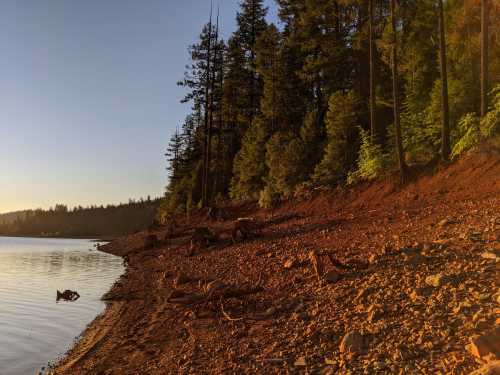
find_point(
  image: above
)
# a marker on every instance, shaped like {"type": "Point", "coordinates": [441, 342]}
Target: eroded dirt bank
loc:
{"type": "Point", "coordinates": [421, 280]}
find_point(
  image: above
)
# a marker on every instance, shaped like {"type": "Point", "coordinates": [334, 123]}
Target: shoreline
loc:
{"type": "Point", "coordinates": [392, 241]}
{"type": "Point", "coordinates": [93, 239]}
{"type": "Point", "coordinates": [96, 325]}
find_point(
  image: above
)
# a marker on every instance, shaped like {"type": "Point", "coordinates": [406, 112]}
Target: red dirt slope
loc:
{"type": "Point", "coordinates": [421, 281]}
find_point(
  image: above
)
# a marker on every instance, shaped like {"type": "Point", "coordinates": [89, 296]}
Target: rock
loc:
{"type": "Point", "coordinates": [492, 368]}
{"type": "Point", "coordinates": [435, 280]}
{"type": "Point", "coordinates": [445, 222]}
{"type": "Point", "coordinates": [300, 362]}
{"type": "Point", "coordinates": [290, 263]}
{"type": "Point", "coordinates": [485, 345]}
{"type": "Point", "coordinates": [332, 276]}
{"type": "Point", "coordinates": [374, 258]}
{"type": "Point", "coordinates": [488, 255]}
{"type": "Point", "coordinates": [352, 343]}
{"type": "Point", "coordinates": [375, 313]}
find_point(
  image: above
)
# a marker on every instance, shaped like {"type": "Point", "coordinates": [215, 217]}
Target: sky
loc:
{"type": "Point", "coordinates": [88, 96]}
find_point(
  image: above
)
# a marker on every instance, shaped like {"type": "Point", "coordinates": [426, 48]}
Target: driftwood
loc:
{"type": "Point", "coordinates": [220, 293]}
{"type": "Point", "coordinates": [67, 295]}
{"type": "Point", "coordinates": [337, 263]}
{"type": "Point", "coordinates": [319, 267]}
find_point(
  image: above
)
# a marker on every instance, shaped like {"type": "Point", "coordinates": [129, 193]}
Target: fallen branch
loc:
{"type": "Point", "coordinates": [183, 298]}
{"type": "Point", "coordinates": [227, 316]}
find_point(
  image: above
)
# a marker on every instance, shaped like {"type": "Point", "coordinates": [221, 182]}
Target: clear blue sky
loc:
{"type": "Point", "coordinates": [88, 96]}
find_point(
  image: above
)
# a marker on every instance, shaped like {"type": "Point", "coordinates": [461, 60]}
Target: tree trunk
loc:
{"type": "Point", "coordinates": [373, 125]}
{"type": "Point", "coordinates": [445, 115]}
{"type": "Point", "coordinates": [484, 57]}
{"type": "Point", "coordinates": [204, 182]}
{"type": "Point", "coordinates": [395, 92]}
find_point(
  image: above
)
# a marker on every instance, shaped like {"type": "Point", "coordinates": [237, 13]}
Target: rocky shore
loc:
{"type": "Point", "coordinates": [377, 280]}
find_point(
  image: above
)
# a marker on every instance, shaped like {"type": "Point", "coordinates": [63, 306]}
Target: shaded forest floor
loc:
{"type": "Point", "coordinates": [421, 281]}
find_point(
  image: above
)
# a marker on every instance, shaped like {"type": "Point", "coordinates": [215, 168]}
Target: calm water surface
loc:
{"type": "Point", "coordinates": [34, 329]}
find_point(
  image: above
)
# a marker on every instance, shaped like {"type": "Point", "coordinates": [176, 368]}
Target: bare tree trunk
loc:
{"type": "Point", "coordinates": [204, 182]}
{"type": "Point", "coordinates": [445, 112]}
{"type": "Point", "coordinates": [484, 57]}
{"type": "Point", "coordinates": [373, 125]}
{"type": "Point", "coordinates": [395, 93]}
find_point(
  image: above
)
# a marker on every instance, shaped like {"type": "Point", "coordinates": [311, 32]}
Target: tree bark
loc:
{"type": "Point", "coordinates": [395, 93]}
{"type": "Point", "coordinates": [484, 57]}
{"type": "Point", "coordinates": [445, 112]}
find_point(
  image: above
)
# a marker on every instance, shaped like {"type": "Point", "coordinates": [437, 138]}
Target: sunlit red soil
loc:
{"type": "Point", "coordinates": [422, 282]}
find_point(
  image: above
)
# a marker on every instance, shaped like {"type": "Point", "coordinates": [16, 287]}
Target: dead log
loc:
{"type": "Point", "coordinates": [245, 228]}
{"type": "Point", "coordinates": [337, 263]}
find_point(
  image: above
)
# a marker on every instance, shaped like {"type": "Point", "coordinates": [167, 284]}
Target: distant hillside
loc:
{"type": "Point", "coordinates": [90, 222]}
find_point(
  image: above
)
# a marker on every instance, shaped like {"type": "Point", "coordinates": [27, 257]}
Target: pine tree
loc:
{"type": "Point", "coordinates": [251, 21]}
{"type": "Point", "coordinates": [341, 122]}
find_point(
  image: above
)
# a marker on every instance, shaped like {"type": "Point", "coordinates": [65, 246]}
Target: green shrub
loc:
{"type": "Point", "coordinates": [490, 124]}
{"type": "Point", "coordinates": [471, 129]}
{"type": "Point", "coordinates": [468, 126]}
{"type": "Point", "coordinates": [371, 161]}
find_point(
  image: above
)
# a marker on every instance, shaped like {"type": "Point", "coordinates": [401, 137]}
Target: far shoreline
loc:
{"type": "Point", "coordinates": [93, 239]}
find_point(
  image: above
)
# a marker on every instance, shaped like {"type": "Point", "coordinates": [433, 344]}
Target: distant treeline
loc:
{"type": "Point", "coordinates": [90, 222]}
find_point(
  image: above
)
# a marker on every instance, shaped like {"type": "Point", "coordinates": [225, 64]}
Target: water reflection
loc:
{"type": "Point", "coordinates": [33, 327]}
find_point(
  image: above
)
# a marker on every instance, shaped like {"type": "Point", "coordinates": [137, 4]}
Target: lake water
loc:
{"type": "Point", "coordinates": [34, 328]}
